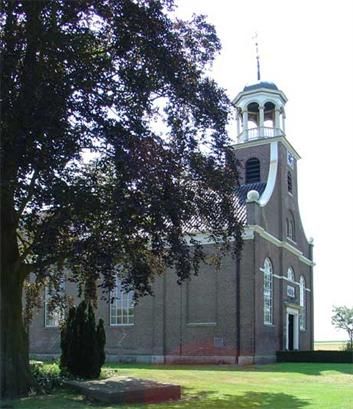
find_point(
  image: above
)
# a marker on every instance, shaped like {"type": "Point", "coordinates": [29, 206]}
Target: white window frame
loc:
{"type": "Point", "coordinates": [121, 311]}
{"type": "Point", "coordinates": [302, 315]}
{"type": "Point", "coordinates": [52, 318]}
{"type": "Point", "coordinates": [291, 275]}
{"type": "Point", "coordinates": [268, 292]}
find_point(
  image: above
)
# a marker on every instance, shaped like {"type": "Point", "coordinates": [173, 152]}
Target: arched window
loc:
{"type": "Point", "coordinates": [268, 291]}
{"type": "Point", "coordinates": [292, 229]}
{"type": "Point", "coordinates": [53, 313]}
{"type": "Point", "coordinates": [289, 182]}
{"type": "Point", "coordinates": [252, 170]}
{"type": "Point", "coordinates": [121, 306]}
{"type": "Point", "coordinates": [290, 226]}
{"type": "Point", "coordinates": [291, 279]}
{"type": "Point", "coordinates": [269, 115]}
{"type": "Point", "coordinates": [302, 317]}
{"type": "Point", "coordinates": [290, 274]}
{"type": "Point", "coordinates": [253, 115]}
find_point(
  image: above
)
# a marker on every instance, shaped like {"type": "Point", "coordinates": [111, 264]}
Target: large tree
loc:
{"type": "Point", "coordinates": [123, 80]}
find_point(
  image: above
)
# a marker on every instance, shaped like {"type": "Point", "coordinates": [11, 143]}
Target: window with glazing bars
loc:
{"type": "Point", "coordinates": [53, 314]}
{"type": "Point", "coordinates": [121, 306]}
{"type": "Point", "coordinates": [268, 290]}
{"type": "Point", "coordinates": [302, 317]}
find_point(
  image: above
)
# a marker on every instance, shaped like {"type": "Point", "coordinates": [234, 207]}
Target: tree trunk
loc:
{"type": "Point", "coordinates": [14, 359]}
{"type": "Point", "coordinates": [15, 377]}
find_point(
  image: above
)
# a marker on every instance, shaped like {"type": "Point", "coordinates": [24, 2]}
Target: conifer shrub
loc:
{"type": "Point", "coordinates": [101, 342]}
{"type": "Point", "coordinates": [82, 343]}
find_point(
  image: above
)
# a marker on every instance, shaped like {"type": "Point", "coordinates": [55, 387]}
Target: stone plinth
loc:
{"type": "Point", "coordinates": [122, 389]}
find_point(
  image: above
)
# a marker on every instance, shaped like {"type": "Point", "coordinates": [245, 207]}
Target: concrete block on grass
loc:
{"type": "Point", "coordinates": [120, 389]}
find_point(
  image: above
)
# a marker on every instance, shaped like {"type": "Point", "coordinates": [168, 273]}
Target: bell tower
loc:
{"type": "Point", "coordinates": [275, 234]}
{"type": "Point", "coordinates": [260, 112]}
{"type": "Point", "coordinates": [269, 161]}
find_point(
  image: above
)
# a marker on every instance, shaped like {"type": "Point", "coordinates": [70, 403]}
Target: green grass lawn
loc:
{"type": "Point", "coordinates": [277, 386]}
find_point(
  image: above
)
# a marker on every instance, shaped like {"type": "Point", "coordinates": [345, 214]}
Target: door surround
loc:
{"type": "Point", "coordinates": [292, 310]}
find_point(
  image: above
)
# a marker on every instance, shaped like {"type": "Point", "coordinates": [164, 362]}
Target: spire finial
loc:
{"type": "Point", "coordinates": [255, 37]}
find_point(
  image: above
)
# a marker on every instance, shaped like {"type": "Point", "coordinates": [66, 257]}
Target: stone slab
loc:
{"type": "Point", "coordinates": [124, 389]}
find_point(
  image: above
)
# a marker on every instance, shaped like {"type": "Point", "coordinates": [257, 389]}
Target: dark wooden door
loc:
{"type": "Point", "coordinates": [290, 332]}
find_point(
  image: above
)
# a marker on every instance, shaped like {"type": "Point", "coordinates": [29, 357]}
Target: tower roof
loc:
{"type": "Point", "coordinates": [261, 91]}
{"type": "Point", "coordinates": [259, 85]}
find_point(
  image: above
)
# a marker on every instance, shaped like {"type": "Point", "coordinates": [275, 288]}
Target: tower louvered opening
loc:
{"type": "Point", "coordinates": [290, 182]}
{"type": "Point", "coordinates": [252, 171]}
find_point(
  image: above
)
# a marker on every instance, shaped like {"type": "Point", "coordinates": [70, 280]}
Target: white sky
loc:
{"type": "Point", "coordinates": [306, 48]}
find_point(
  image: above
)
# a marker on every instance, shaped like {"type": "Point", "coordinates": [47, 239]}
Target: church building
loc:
{"type": "Point", "coordinates": [245, 310]}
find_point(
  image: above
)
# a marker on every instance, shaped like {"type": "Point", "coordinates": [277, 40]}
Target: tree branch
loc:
{"type": "Point", "coordinates": [24, 242]}
{"type": "Point", "coordinates": [30, 193]}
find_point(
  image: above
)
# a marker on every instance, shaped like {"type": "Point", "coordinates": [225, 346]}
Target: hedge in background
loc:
{"type": "Point", "coordinates": [315, 356]}
{"type": "Point", "coordinates": [82, 343]}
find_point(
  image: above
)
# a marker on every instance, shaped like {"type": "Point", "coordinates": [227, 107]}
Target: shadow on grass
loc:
{"type": "Point", "coordinates": [249, 400]}
{"type": "Point", "coordinates": [62, 398]}
{"type": "Point", "coordinates": [202, 400]}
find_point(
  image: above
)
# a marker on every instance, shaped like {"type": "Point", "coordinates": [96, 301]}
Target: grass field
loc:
{"type": "Point", "coordinates": [277, 386]}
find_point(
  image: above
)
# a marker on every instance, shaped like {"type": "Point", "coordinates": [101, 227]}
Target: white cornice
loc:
{"type": "Point", "coordinates": [265, 141]}
{"type": "Point", "coordinates": [289, 281]}
{"type": "Point", "coordinates": [251, 229]}
{"type": "Point", "coordinates": [260, 91]}
{"type": "Point", "coordinates": [249, 234]}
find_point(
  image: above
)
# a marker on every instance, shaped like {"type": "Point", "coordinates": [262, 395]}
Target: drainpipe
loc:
{"type": "Point", "coordinates": [237, 306]}
{"type": "Point", "coordinates": [181, 321]}
{"type": "Point", "coordinates": [164, 334]}
{"type": "Point", "coordinates": [311, 257]}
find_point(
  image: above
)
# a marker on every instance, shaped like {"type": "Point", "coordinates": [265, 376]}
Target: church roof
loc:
{"type": "Point", "coordinates": [240, 196]}
{"type": "Point", "coordinates": [259, 85]}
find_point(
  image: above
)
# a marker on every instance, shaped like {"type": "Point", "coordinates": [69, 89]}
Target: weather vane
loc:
{"type": "Point", "coordinates": [255, 37]}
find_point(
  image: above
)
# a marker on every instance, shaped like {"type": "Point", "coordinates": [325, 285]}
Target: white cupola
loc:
{"type": "Point", "coordinates": [260, 112]}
